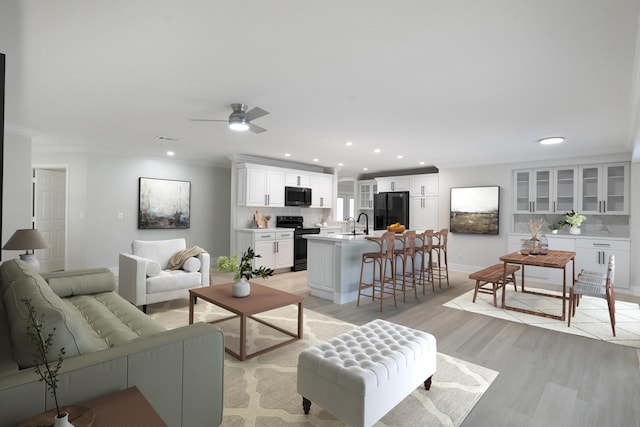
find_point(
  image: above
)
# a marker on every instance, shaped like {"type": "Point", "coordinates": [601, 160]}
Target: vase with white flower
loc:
{"type": "Point", "coordinates": [243, 271]}
{"type": "Point", "coordinates": [573, 220]}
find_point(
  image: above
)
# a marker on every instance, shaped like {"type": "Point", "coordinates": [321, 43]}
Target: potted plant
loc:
{"type": "Point", "coordinates": [243, 271]}
{"type": "Point", "coordinates": [47, 371]}
{"type": "Point", "coordinates": [573, 220]}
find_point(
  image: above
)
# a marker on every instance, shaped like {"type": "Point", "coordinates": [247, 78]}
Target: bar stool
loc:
{"type": "Point", "coordinates": [382, 263]}
{"type": "Point", "coordinates": [424, 243]}
{"type": "Point", "coordinates": [405, 276]}
{"type": "Point", "coordinates": [440, 248]}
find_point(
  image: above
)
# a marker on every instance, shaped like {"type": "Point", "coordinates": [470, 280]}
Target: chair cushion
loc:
{"type": "Point", "coordinates": [170, 280]}
{"type": "Point", "coordinates": [158, 250]}
{"type": "Point", "coordinates": [192, 264]}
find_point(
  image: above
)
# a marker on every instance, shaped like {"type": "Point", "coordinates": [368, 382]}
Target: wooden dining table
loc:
{"type": "Point", "coordinates": [553, 259]}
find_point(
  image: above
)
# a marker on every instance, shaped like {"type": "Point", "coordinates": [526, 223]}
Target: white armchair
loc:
{"type": "Point", "coordinates": [145, 279]}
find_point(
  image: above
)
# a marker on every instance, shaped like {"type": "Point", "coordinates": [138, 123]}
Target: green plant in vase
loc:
{"type": "Point", "coordinates": [47, 371]}
{"type": "Point", "coordinates": [243, 271]}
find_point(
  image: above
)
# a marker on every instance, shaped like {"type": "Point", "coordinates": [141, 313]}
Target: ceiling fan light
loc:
{"type": "Point", "coordinates": [238, 124]}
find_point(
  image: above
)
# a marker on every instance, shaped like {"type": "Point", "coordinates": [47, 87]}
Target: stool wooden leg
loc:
{"type": "Point", "coordinates": [475, 292]}
{"type": "Point", "coordinates": [306, 405]}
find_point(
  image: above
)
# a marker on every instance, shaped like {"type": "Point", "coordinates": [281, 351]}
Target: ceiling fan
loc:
{"type": "Point", "coordinates": [240, 118]}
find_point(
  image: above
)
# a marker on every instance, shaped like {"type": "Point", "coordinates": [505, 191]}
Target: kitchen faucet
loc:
{"type": "Point", "coordinates": [354, 223]}
{"type": "Point", "coordinates": [366, 228]}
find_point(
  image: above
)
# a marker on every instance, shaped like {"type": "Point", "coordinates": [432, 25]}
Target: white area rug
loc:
{"type": "Point", "coordinates": [591, 319]}
{"type": "Point", "coordinates": [261, 392]}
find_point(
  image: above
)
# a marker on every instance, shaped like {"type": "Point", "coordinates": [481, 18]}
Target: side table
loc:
{"type": "Point", "coordinates": [124, 408]}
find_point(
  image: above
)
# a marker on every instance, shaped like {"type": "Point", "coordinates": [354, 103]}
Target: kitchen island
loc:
{"type": "Point", "coordinates": [333, 264]}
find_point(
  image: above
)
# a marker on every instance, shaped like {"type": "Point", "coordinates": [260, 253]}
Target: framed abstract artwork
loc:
{"type": "Point", "coordinates": [475, 210]}
{"type": "Point", "coordinates": [164, 203]}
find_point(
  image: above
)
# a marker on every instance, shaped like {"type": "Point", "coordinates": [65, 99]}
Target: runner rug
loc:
{"type": "Point", "coordinates": [262, 391]}
{"type": "Point", "coordinates": [591, 319]}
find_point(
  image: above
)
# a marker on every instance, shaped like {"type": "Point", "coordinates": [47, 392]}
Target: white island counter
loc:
{"type": "Point", "coordinates": [333, 264]}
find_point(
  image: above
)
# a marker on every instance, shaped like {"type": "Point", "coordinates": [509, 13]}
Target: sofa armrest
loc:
{"type": "Point", "coordinates": [205, 267]}
{"type": "Point", "coordinates": [132, 278]}
{"type": "Point", "coordinates": [180, 372]}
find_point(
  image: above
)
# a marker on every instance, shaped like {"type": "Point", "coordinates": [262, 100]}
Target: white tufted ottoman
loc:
{"type": "Point", "coordinates": [361, 375]}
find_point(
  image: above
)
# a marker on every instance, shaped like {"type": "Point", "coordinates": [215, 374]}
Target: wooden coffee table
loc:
{"type": "Point", "coordinates": [261, 299]}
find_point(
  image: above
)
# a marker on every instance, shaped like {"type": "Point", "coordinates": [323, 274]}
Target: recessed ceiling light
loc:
{"type": "Point", "coordinates": [349, 143]}
{"type": "Point", "coordinates": [377, 150]}
{"type": "Point", "coordinates": [316, 160]}
{"type": "Point", "coordinates": [421, 163]}
{"type": "Point", "coordinates": [170, 153]}
{"type": "Point", "coordinates": [340, 164]}
{"type": "Point", "coordinates": [365, 169]}
{"type": "Point", "coordinates": [399, 156]}
{"type": "Point", "coordinates": [551, 140]}
{"type": "Point", "coordinates": [287, 154]}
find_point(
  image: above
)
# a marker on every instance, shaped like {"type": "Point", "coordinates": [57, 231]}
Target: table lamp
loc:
{"type": "Point", "coordinates": [27, 239]}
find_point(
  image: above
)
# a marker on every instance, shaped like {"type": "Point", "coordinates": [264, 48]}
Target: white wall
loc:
{"type": "Point", "coordinates": [102, 186]}
{"type": "Point", "coordinates": [16, 188]}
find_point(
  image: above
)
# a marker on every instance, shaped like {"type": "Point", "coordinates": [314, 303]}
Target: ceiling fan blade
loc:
{"type": "Point", "coordinates": [255, 113]}
{"type": "Point", "coordinates": [208, 120]}
{"type": "Point", "coordinates": [256, 129]}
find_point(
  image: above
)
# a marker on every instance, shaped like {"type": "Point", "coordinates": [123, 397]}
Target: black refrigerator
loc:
{"type": "Point", "coordinates": [389, 208]}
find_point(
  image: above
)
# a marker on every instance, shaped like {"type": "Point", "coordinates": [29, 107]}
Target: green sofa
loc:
{"type": "Point", "coordinates": [109, 345]}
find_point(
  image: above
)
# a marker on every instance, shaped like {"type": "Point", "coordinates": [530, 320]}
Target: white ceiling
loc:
{"type": "Point", "coordinates": [448, 83]}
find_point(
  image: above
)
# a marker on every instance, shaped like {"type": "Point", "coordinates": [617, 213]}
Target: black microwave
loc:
{"type": "Point", "coordinates": [297, 196]}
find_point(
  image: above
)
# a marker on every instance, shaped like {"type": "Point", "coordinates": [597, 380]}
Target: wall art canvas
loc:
{"type": "Point", "coordinates": [164, 203]}
{"type": "Point", "coordinates": [475, 210]}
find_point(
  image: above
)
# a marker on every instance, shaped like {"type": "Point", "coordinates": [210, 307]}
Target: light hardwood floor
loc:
{"type": "Point", "coordinates": [546, 378]}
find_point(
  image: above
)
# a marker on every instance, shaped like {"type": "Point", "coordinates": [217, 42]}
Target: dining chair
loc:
{"type": "Point", "coordinates": [594, 284]}
{"type": "Point", "coordinates": [406, 276]}
{"type": "Point", "coordinates": [383, 274]}
{"type": "Point", "coordinates": [424, 243]}
{"type": "Point", "coordinates": [439, 247]}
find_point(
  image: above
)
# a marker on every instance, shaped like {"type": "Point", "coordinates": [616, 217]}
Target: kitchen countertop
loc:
{"type": "Point", "coordinates": [575, 236]}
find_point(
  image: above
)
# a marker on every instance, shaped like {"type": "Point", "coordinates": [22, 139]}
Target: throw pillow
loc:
{"type": "Point", "coordinates": [192, 264]}
{"type": "Point", "coordinates": [153, 268]}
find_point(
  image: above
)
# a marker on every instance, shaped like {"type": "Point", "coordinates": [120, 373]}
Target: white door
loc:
{"type": "Point", "coordinates": [50, 216]}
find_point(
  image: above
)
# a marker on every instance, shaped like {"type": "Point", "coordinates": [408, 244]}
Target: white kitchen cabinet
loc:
{"type": "Point", "coordinates": [321, 191]}
{"type": "Point", "coordinates": [260, 186]}
{"type": "Point", "coordinates": [533, 190]}
{"type": "Point", "coordinates": [295, 178]}
{"type": "Point", "coordinates": [604, 189]}
{"type": "Point", "coordinates": [275, 247]}
{"type": "Point", "coordinates": [366, 190]}
{"type": "Point", "coordinates": [593, 255]}
{"type": "Point", "coordinates": [321, 268]}
{"type": "Point", "coordinates": [423, 213]}
{"type": "Point", "coordinates": [565, 185]}
{"type": "Point", "coordinates": [423, 185]}
{"type": "Point", "coordinates": [396, 183]}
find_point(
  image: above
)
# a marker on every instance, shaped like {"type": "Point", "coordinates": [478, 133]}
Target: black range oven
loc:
{"type": "Point", "coordinates": [299, 242]}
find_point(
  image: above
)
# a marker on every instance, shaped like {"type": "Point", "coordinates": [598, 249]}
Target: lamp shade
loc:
{"type": "Point", "coordinates": [26, 239]}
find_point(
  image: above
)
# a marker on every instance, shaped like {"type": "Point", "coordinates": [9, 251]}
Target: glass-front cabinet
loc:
{"type": "Point", "coordinates": [566, 189]}
{"type": "Point", "coordinates": [533, 190]}
{"type": "Point", "coordinates": [366, 190]}
{"type": "Point", "coordinates": [604, 189]}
